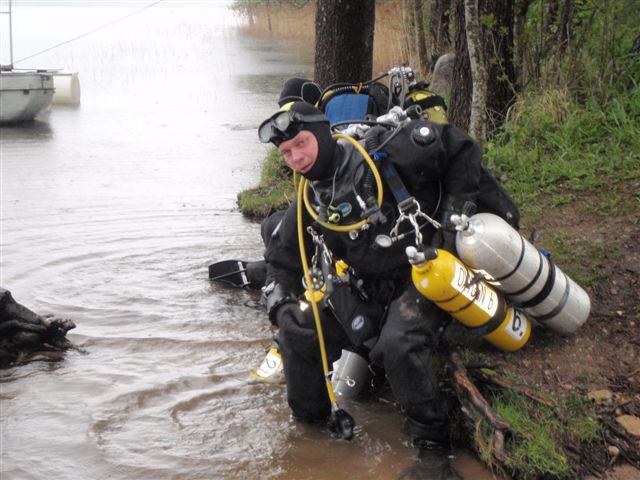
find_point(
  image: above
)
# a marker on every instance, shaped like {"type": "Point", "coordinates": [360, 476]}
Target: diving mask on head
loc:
{"type": "Point", "coordinates": [284, 125]}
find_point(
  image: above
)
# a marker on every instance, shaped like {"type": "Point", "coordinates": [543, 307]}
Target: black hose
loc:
{"type": "Point", "coordinates": [368, 186]}
{"type": "Point", "coordinates": [343, 87]}
{"type": "Point", "coordinates": [371, 144]}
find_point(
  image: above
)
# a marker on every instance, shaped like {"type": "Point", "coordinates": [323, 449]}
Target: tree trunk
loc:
{"type": "Point", "coordinates": [498, 42]}
{"type": "Point", "coordinates": [269, 17]}
{"type": "Point", "coordinates": [439, 29]}
{"type": "Point", "coordinates": [635, 48]}
{"type": "Point", "coordinates": [421, 46]}
{"type": "Point", "coordinates": [519, 43]}
{"type": "Point", "coordinates": [564, 28]}
{"type": "Point", "coordinates": [479, 74]}
{"type": "Point", "coordinates": [344, 41]}
{"type": "Point", "coordinates": [461, 87]}
{"type": "Point", "coordinates": [406, 30]}
{"type": "Point", "coordinates": [484, 72]}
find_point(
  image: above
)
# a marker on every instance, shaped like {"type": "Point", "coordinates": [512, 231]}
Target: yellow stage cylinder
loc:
{"type": "Point", "coordinates": [446, 281]}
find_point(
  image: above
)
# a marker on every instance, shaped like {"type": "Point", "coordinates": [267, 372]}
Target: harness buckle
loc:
{"type": "Point", "coordinates": [409, 206]}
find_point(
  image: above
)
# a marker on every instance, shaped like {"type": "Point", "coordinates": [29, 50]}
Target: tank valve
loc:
{"type": "Point", "coordinates": [415, 257]}
{"type": "Point", "coordinates": [461, 222]}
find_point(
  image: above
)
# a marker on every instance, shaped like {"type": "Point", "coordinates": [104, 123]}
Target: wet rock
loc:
{"type": "Point", "coordinates": [24, 332]}
{"type": "Point", "coordinates": [620, 472]}
{"type": "Point", "coordinates": [443, 74]}
{"type": "Point", "coordinates": [630, 423]}
{"type": "Point", "coordinates": [601, 397]}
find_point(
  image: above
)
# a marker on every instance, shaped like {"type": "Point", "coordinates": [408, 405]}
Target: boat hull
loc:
{"type": "Point", "coordinates": [23, 95]}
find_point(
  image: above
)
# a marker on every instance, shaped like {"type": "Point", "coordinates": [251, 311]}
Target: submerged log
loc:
{"type": "Point", "coordinates": [24, 332]}
{"type": "Point", "coordinates": [475, 406]}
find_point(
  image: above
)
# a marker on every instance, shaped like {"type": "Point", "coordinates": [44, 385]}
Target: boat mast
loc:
{"type": "Point", "coordinates": [10, 66]}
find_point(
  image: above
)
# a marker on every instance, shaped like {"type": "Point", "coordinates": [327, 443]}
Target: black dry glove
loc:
{"type": "Point", "coordinates": [445, 237]}
{"type": "Point", "coordinates": [297, 326]}
{"type": "Point", "coordinates": [274, 296]}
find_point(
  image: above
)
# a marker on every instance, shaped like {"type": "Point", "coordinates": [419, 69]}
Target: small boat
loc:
{"type": "Point", "coordinates": [23, 93]}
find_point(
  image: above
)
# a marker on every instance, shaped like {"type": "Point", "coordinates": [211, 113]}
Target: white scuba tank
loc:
{"type": "Point", "coordinates": [527, 277]}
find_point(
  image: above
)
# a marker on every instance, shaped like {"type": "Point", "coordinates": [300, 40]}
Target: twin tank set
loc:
{"type": "Point", "coordinates": [501, 283]}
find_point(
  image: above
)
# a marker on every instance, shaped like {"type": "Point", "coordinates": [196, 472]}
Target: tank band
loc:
{"type": "Point", "coordinates": [533, 280]}
{"type": "Point", "coordinates": [449, 298]}
{"type": "Point", "coordinates": [500, 311]}
{"type": "Point", "coordinates": [548, 285]}
{"type": "Point", "coordinates": [466, 282]}
{"type": "Point", "coordinates": [493, 323]}
{"type": "Point", "coordinates": [522, 248]}
{"type": "Point", "coordinates": [451, 312]}
{"type": "Point", "coordinates": [558, 307]}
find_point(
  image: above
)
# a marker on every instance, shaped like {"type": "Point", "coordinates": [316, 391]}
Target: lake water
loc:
{"type": "Point", "coordinates": [111, 213]}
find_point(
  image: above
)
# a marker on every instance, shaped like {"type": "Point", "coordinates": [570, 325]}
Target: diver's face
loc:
{"type": "Point", "coordinates": [301, 152]}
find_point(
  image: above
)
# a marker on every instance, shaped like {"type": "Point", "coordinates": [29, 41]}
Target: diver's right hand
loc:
{"type": "Point", "coordinates": [296, 325]}
{"type": "Point", "coordinates": [275, 296]}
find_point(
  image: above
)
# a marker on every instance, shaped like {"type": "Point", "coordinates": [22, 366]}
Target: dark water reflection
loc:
{"type": "Point", "coordinates": [111, 212]}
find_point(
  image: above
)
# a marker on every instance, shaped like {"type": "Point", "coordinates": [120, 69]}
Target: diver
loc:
{"type": "Point", "coordinates": [297, 89]}
{"type": "Point", "coordinates": [399, 329]}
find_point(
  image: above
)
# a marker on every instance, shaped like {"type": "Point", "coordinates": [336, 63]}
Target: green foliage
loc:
{"type": "Point", "coordinates": [273, 168]}
{"type": "Point", "coordinates": [593, 55]}
{"type": "Point", "coordinates": [275, 190]}
{"type": "Point", "coordinates": [583, 427]}
{"type": "Point", "coordinates": [554, 145]}
{"type": "Point", "coordinates": [488, 21]}
{"type": "Point", "coordinates": [538, 448]}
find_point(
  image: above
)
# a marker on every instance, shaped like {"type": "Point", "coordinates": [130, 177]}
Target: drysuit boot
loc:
{"type": "Point", "coordinates": [433, 463]}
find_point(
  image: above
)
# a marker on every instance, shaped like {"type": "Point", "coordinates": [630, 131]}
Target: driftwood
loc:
{"type": "Point", "coordinates": [476, 406]}
{"type": "Point", "coordinates": [503, 383]}
{"type": "Point", "coordinates": [24, 332]}
{"type": "Point", "coordinates": [626, 444]}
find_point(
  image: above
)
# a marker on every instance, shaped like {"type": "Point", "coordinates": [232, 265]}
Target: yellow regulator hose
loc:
{"type": "Point", "coordinates": [314, 305]}
{"type": "Point", "coordinates": [345, 421]}
{"type": "Point", "coordinates": [376, 174]}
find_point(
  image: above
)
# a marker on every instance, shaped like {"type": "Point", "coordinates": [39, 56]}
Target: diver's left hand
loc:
{"type": "Point", "coordinates": [445, 239]}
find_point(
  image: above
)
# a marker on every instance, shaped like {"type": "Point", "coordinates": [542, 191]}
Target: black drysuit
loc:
{"type": "Point", "coordinates": [441, 168]}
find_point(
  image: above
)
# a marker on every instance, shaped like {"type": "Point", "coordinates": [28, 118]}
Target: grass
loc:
{"type": "Point", "coordinates": [537, 450]}
{"type": "Point", "coordinates": [571, 254]}
{"type": "Point", "coordinates": [555, 147]}
{"type": "Point", "coordinates": [274, 191]}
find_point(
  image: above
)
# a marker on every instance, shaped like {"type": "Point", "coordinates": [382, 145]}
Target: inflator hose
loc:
{"type": "Point", "coordinates": [371, 144]}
